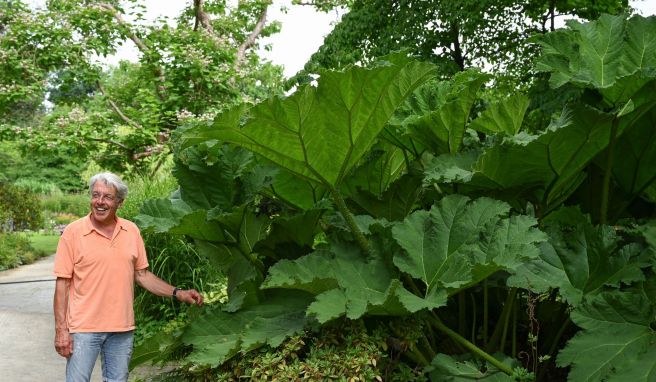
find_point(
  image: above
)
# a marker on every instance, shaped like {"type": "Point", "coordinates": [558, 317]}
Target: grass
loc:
{"type": "Point", "coordinates": [44, 243]}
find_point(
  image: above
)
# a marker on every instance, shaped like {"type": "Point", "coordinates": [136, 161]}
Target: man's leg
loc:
{"type": "Point", "coordinates": [86, 347]}
{"type": "Point", "coordinates": [115, 356]}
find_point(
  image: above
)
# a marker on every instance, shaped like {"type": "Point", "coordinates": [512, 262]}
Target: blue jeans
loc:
{"type": "Point", "coordinates": [115, 351]}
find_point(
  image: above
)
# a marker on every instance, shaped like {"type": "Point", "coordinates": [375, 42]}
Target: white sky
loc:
{"type": "Point", "coordinates": [303, 30]}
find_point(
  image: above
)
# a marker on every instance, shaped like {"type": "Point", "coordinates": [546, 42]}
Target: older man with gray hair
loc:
{"type": "Point", "coordinates": [98, 259]}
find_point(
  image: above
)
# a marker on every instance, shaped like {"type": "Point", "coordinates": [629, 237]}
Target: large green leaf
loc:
{"type": "Point", "coordinates": [346, 111]}
{"type": "Point", "coordinates": [393, 204]}
{"type": "Point", "coordinates": [580, 260]}
{"type": "Point", "coordinates": [598, 53]}
{"type": "Point", "coordinates": [209, 174]}
{"type": "Point", "coordinates": [157, 348]}
{"type": "Point", "coordinates": [445, 368]}
{"type": "Point", "coordinates": [505, 116]}
{"type": "Point", "coordinates": [617, 342]}
{"type": "Point", "coordinates": [217, 335]}
{"type": "Point", "coordinates": [379, 168]}
{"type": "Point", "coordinates": [634, 169]}
{"type": "Point", "coordinates": [297, 192]}
{"type": "Point", "coordinates": [451, 168]}
{"type": "Point", "coordinates": [436, 116]}
{"type": "Point", "coordinates": [290, 236]}
{"type": "Point", "coordinates": [345, 283]}
{"type": "Point", "coordinates": [551, 161]}
{"type": "Point", "coordinates": [459, 242]}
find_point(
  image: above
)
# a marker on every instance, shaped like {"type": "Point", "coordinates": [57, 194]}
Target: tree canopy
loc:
{"type": "Point", "coordinates": [189, 68]}
{"type": "Point", "coordinates": [453, 34]}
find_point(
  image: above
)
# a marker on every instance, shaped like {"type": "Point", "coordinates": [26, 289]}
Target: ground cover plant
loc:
{"type": "Point", "coordinates": [381, 194]}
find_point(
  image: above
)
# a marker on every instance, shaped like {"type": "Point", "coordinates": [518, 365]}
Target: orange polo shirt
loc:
{"type": "Point", "coordinates": [101, 270]}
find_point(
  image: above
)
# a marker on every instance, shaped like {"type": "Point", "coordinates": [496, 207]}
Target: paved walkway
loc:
{"type": "Point", "coordinates": [27, 352]}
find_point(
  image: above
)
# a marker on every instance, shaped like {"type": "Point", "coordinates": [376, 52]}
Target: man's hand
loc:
{"type": "Point", "coordinates": [63, 342]}
{"type": "Point", "coordinates": [190, 296]}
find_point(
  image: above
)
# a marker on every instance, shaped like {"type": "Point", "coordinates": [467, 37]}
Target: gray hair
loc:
{"type": "Point", "coordinates": [111, 180]}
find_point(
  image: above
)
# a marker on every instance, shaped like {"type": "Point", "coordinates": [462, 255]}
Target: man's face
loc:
{"type": "Point", "coordinates": [104, 203]}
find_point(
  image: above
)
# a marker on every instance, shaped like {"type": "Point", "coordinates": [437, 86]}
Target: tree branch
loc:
{"type": "Point", "coordinates": [103, 140]}
{"type": "Point", "coordinates": [250, 40]}
{"type": "Point", "coordinates": [161, 89]}
{"type": "Point", "coordinates": [149, 151]}
{"type": "Point", "coordinates": [202, 18]}
{"type": "Point", "coordinates": [116, 108]}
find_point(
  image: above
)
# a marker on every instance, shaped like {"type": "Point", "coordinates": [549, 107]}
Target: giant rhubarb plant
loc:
{"type": "Point", "coordinates": [489, 217]}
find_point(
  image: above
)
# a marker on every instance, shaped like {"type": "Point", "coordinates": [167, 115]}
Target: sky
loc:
{"type": "Point", "coordinates": [303, 30]}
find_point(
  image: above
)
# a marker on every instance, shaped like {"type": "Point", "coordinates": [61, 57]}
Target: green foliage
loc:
{"type": "Point", "coordinates": [292, 131]}
{"type": "Point", "coordinates": [581, 261]}
{"type": "Point", "coordinates": [66, 204]}
{"type": "Point", "coordinates": [190, 68]}
{"type": "Point", "coordinates": [617, 340]}
{"type": "Point", "coordinates": [347, 350]}
{"type": "Point", "coordinates": [171, 258]}
{"type": "Point", "coordinates": [447, 369]}
{"type": "Point", "coordinates": [21, 209]}
{"type": "Point", "coordinates": [481, 226]}
{"type": "Point", "coordinates": [43, 172]}
{"type": "Point", "coordinates": [459, 243]}
{"type": "Point", "coordinates": [454, 35]}
{"type": "Point", "coordinates": [16, 249]}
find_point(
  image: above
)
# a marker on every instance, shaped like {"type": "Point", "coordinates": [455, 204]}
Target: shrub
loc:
{"type": "Point", "coordinates": [38, 187]}
{"type": "Point", "coordinates": [15, 250]}
{"type": "Point", "coordinates": [22, 208]}
{"type": "Point", "coordinates": [71, 204]}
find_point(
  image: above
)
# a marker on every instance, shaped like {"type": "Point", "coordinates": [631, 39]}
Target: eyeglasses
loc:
{"type": "Point", "coordinates": [106, 197]}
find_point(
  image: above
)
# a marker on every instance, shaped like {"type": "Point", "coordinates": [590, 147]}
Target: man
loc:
{"type": "Point", "coordinates": [98, 259]}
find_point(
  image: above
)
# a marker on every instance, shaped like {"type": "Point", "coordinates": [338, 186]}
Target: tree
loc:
{"type": "Point", "coordinates": [453, 34]}
{"type": "Point", "coordinates": [123, 117]}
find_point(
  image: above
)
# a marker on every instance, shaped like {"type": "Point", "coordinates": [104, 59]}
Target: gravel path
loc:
{"type": "Point", "coordinates": [27, 326]}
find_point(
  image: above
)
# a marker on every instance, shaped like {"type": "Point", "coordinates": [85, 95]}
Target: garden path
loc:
{"type": "Point", "coordinates": [27, 352]}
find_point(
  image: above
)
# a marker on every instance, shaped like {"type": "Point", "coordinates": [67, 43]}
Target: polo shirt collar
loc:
{"type": "Point", "coordinates": [88, 226]}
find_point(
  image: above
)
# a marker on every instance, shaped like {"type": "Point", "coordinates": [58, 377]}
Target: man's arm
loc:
{"type": "Point", "coordinates": [147, 280]}
{"type": "Point", "coordinates": [63, 339]}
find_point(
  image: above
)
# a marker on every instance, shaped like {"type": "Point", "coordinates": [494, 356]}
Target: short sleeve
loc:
{"type": "Point", "coordinates": [142, 259]}
{"type": "Point", "coordinates": [64, 257]}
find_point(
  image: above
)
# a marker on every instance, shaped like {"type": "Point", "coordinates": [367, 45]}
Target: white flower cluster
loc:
{"type": "Point", "coordinates": [77, 115]}
{"type": "Point", "coordinates": [184, 115]}
{"type": "Point", "coordinates": [194, 55]}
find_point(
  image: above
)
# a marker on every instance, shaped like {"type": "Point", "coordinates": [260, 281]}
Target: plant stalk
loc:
{"type": "Point", "coordinates": [485, 312]}
{"type": "Point", "coordinates": [504, 334]}
{"type": "Point", "coordinates": [462, 314]}
{"type": "Point", "coordinates": [514, 331]}
{"type": "Point", "coordinates": [554, 346]}
{"type": "Point", "coordinates": [350, 220]}
{"type": "Point", "coordinates": [605, 190]}
{"type": "Point", "coordinates": [505, 313]}
{"type": "Point", "coordinates": [470, 346]}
